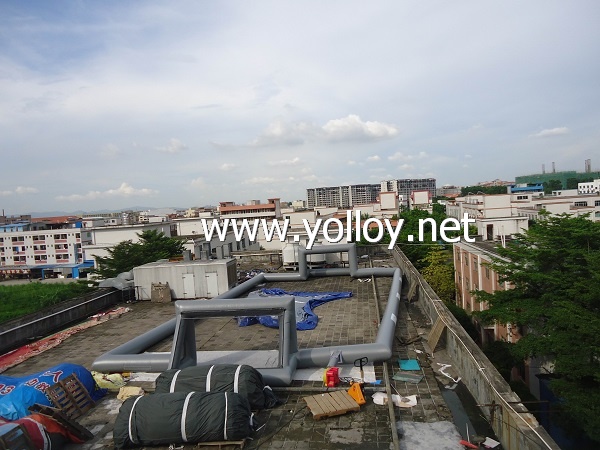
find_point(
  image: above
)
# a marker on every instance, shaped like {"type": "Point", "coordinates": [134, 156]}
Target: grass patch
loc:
{"type": "Point", "coordinates": [23, 299]}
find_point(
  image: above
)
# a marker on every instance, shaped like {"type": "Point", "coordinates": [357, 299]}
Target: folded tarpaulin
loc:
{"type": "Point", "coordinates": [306, 302]}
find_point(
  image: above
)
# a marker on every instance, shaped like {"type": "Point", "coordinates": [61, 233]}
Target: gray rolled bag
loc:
{"type": "Point", "coordinates": [180, 417]}
{"type": "Point", "coordinates": [242, 379]}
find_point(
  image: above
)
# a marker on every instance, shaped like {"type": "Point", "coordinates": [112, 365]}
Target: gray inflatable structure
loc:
{"type": "Point", "coordinates": [131, 356]}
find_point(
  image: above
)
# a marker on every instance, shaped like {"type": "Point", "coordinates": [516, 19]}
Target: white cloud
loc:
{"type": "Point", "coordinates": [5, 193]}
{"type": "Point", "coordinates": [467, 156]}
{"type": "Point", "coordinates": [284, 162]}
{"type": "Point", "coordinates": [352, 128]}
{"type": "Point", "coordinates": [260, 180]}
{"type": "Point", "coordinates": [399, 156]}
{"type": "Point", "coordinates": [124, 190]}
{"type": "Point", "coordinates": [548, 132]}
{"type": "Point", "coordinates": [174, 146]}
{"type": "Point", "coordinates": [373, 158]}
{"type": "Point", "coordinates": [198, 182]}
{"type": "Point", "coordinates": [25, 190]}
{"type": "Point", "coordinates": [110, 151]}
{"type": "Point", "coordinates": [351, 163]}
{"type": "Point", "coordinates": [227, 166]}
{"type": "Point", "coordinates": [476, 127]}
{"type": "Point", "coordinates": [283, 133]}
{"type": "Point", "coordinates": [406, 167]}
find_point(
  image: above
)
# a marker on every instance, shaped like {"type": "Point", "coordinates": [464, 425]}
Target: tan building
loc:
{"type": "Point", "coordinates": [251, 210]}
{"type": "Point", "coordinates": [472, 272]}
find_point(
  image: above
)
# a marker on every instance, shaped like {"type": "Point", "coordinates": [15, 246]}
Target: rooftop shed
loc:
{"type": "Point", "coordinates": [187, 279]}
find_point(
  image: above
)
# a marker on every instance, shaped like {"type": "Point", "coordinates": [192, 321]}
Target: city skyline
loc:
{"type": "Point", "coordinates": [108, 105]}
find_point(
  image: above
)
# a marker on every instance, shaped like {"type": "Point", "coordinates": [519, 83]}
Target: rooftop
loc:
{"type": "Point", "coordinates": [440, 400]}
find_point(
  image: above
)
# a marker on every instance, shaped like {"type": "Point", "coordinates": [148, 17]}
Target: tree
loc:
{"type": "Point", "coordinates": [552, 185]}
{"type": "Point", "coordinates": [553, 271]}
{"type": "Point", "coordinates": [152, 246]}
{"type": "Point", "coordinates": [438, 271]}
{"type": "Point", "coordinates": [482, 190]}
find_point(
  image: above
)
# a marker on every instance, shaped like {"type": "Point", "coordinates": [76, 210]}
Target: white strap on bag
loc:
{"type": "Point", "coordinates": [172, 388]}
{"type": "Point", "coordinates": [184, 415]}
{"type": "Point", "coordinates": [225, 424]}
{"type": "Point", "coordinates": [208, 378]}
{"type": "Point", "coordinates": [131, 438]}
{"type": "Point", "coordinates": [236, 379]}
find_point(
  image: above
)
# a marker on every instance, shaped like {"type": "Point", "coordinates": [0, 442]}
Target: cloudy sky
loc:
{"type": "Point", "coordinates": [112, 104]}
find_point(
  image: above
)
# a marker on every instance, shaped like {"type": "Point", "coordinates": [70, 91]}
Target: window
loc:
{"type": "Point", "coordinates": [487, 272]}
{"type": "Point", "coordinates": [522, 197]}
{"type": "Point", "coordinates": [580, 204]}
{"type": "Point", "coordinates": [474, 264]}
{"type": "Point", "coordinates": [466, 260]}
{"type": "Point", "coordinates": [596, 203]}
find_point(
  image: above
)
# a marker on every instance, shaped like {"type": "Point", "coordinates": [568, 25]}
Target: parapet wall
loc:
{"type": "Point", "coordinates": [21, 331]}
{"type": "Point", "coordinates": [515, 427]}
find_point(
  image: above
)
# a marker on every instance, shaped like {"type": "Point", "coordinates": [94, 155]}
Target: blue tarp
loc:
{"type": "Point", "coordinates": [19, 393]}
{"type": "Point", "coordinates": [306, 302]}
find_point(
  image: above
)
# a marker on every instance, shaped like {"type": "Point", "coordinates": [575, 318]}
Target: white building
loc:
{"type": "Point", "coordinates": [592, 187]}
{"type": "Point", "coordinates": [42, 249]}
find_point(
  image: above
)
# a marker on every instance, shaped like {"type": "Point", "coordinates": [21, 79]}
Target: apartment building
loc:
{"type": "Point", "coordinates": [253, 209]}
{"type": "Point", "coordinates": [495, 215]}
{"type": "Point", "coordinates": [342, 196]}
{"type": "Point", "coordinates": [43, 247]}
{"type": "Point", "coordinates": [592, 187]}
{"type": "Point", "coordinates": [472, 272]}
{"type": "Point", "coordinates": [508, 214]}
{"type": "Point", "coordinates": [404, 187]}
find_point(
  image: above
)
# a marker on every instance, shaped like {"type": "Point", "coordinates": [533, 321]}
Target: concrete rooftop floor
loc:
{"type": "Point", "coordinates": [291, 425]}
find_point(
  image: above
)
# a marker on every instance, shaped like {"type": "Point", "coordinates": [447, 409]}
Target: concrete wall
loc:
{"type": "Point", "coordinates": [259, 257]}
{"type": "Point", "coordinates": [20, 331]}
{"type": "Point", "coordinates": [516, 429]}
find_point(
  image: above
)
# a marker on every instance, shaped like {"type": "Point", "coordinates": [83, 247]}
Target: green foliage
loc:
{"type": "Point", "coordinates": [438, 271]}
{"type": "Point", "coordinates": [126, 255]}
{"type": "Point", "coordinates": [554, 271]}
{"type": "Point", "coordinates": [416, 251]}
{"type": "Point", "coordinates": [501, 355]}
{"type": "Point", "coordinates": [552, 185]}
{"type": "Point", "coordinates": [482, 190]}
{"type": "Point", "coordinates": [573, 182]}
{"type": "Point", "coordinates": [464, 319]}
{"type": "Point", "coordinates": [22, 299]}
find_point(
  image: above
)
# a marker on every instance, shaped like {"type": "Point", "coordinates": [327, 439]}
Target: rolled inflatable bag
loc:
{"type": "Point", "coordinates": [241, 379]}
{"type": "Point", "coordinates": [180, 417]}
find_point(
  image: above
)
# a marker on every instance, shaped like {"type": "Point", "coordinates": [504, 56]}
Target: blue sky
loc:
{"type": "Point", "coordinates": [107, 105]}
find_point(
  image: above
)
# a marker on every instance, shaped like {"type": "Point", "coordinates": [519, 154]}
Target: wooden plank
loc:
{"type": "Point", "coordinates": [70, 396]}
{"type": "Point", "coordinates": [435, 334]}
{"type": "Point", "coordinates": [346, 399]}
{"type": "Point", "coordinates": [221, 444]}
{"type": "Point", "coordinates": [331, 404]}
{"type": "Point", "coordinates": [70, 424]}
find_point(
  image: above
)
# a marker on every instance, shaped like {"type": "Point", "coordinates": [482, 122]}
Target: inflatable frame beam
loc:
{"type": "Point", "coordinates": [131, 357]}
